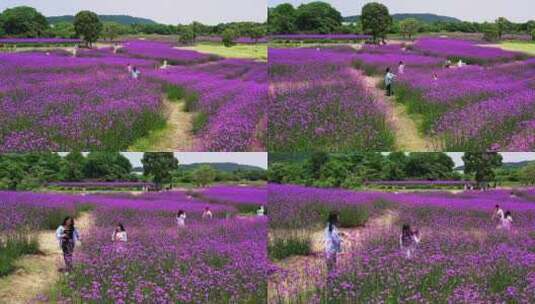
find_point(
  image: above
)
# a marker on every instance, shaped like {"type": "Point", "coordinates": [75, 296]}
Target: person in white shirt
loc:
{"type": "Point", "coordinates": [260, 211]}
{"type": "Point", "coordinates": [119, 235]}
{"type": "Point", "coordinates": [333, 242]}
{"type": "Point", "coordinates": [460, 64]}
{"type": "Point", "coordinates": [67, 236]}
{"type": "Point", "coordinates": [389, 82]}
{"type": "Point", "coordinates": [498, 214]}
{"type": "Point", "coordinates": [408, 240]}
{"type": "Point", "coordinates": [207, 214]}
{"type": "Point", "coordinates": [74, 51]}
{"type": "Point", "coordinates": [181, 219]}
{"type": "Point", "coordinates": [401, 68]}
{"type": "Point", "coordinates": [164, 65]}
{"type": "Point", "coordinates": [506, 221]}
{"type": "Point", "coordinates": [135, 73]}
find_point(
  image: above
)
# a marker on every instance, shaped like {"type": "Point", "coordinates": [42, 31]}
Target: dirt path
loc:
{"type": "Point", "coordinates": [407, 136]}
{"type": "Point", "coordinates": [36, 274]}
{"type": "Point", "coordinates": [306, 271]}
{"type": "Point", "coordinates": [177, 135]}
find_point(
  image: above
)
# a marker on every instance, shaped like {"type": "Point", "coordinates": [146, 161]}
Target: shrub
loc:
{"type": "Point", "coordinates": [289, 245]}
{"type": "Point", "coordinates": [353, 216]}
{"type": "Point", "coordinates": [200, 120]}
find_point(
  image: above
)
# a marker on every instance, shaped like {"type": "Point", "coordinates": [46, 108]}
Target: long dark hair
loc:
{"type": "Point", "coordinates": [388, 70]}
{"type": "Point", "coordinates": [406, 231]}
{"type": "Point", "coordinates": [332, 220]}
{"type": "Point", "coordinates": [180, 212]}
{"type": "Point", "coordinates": [507, 213]}
{"type": "Point", "coordinates": [66, 219]}
{"type": "Point", "coordinates": [121, 227]}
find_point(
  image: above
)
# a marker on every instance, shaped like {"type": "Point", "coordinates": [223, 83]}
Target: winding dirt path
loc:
{"type": "Point", "coordinates": [37, 274]}
{"type": "Point", "coordinates": [177, 135]}
{"type": "Point", "coordinates": [306, 271]}
{"type": "Point", "coordinates": [407, 136]}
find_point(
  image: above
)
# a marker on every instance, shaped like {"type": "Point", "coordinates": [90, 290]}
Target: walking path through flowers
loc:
{"type": "Point", "coordinates": [36, 274]}
{"type": "Point", "coordinates": [407, 136]}
{"type": "Point", "coordinates": [313, 266]}
{"type": "Point", "coordinates": [176, 136]}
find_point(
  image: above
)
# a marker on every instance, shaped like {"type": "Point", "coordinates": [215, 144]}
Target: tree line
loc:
{"type": "Point", "coordinates": [354, 170]}
{"type": "Point", "coordinates": [25, 21]}
{"type": "Point", "coordinates": [27, 171]}
{"type": "Point", "coordinates": [321, 18]}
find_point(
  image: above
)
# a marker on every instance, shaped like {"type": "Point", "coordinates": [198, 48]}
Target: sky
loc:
{"type": "Point", "coordinates": [163, 11]}
{"type": "Point", "coordinates": [258, 159]}
{"type": "Point", "coordinates": [508, 157]}
{"type": "Point", "coordinates": [466, 10]}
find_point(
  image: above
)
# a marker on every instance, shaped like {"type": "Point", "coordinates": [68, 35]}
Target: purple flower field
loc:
{"type": "Point", "coordinates": [318, 101]}
{"type": "Point", "coordinates": [223, 260]}
{"type": "Point", "coordinates": [488, 104]}
{"type": "Point", "coordinates": [312, 37]}
{"type": "Point", "coordinates": [463, 257]}
{"type": "Point", "coordinates": [34, 41]}
{"type": "Point", "coordinates": [54, 101]}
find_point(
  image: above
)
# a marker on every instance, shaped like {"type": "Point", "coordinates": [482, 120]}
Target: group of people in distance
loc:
{"type": "Point", "coordinates": [390, 76]}
{"type": "Point", "coordinates": [408, 239]}
{"type": "Point", "coordinates": [67, 234]}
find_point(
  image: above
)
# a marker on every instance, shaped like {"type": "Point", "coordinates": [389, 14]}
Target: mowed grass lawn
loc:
{"type": "Point", "coordinates": [521, 46]}
{"type": "Point", "coordinates": [250, 51]}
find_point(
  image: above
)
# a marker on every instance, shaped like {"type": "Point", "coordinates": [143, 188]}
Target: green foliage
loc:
{"type": "Point", "coordinates": [199, 122]}
{"type": "Point", "coordinates": [376, 20]}
{"type": "Point", "coordinates": [503, 26]}
{"type": "Point", "coordinates": [187, 36]}
{"type": "Point", "coordinates": [204, 176]}
{"type": "Point", "coordinates": [289, 245]}
{"type": "Point", "coordinates": [409, 27]}
{"type": "Point", "coordinates": [527, 174]}
{"type": "Point", "coordinates": [491, 32]}
{"type": "Point", "coordinates": [281, 19]}
{"type": "Point", "coordinates": [14, 246]}
{"type": "Point", "coordinates": [229, 35]}
{"type": "Point", "coordinates": [318, 17]}
{"type": "Point", "coordinates": [111, 30]}
{"type": "Point", "coordinates": [87, 26]}
{"type": "Point", "coordinates": [63, 30]}
{"type": "Point", "coordinates": [482, 165]}
{"type": "Point", "coordinates": [353, 216]}
{"type": "Point", "coordinates": [108, 166]}
{"type": "Point", "coordinates": [159, 166]}
{"type": "Point", "coordinates": [23, 21]}
{"type": "Point", "coordinates": [533, 34]}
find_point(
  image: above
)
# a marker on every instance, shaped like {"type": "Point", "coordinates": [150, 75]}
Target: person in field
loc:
{"type": "Point", "coordinates": [207, 214]}
{"type": "Point", "coordinates": [164, 65]}
{"type": "Point", "coordinates": [333, 242]}
{"type": "Point", "coordinates": [119, 235]}
{"type": "Point", "coordinates": [506, 221]}
{"type": "Point", "coordinates": [129, 68]}
{"type": "Point", "coordinates": [498, 214]}
{"type": "Point", "coordinates": [408, 240]}
{"type": "Point", "coordinates": [74, 51]}
{"type": "Point", "coordinates": [447, 64]}
{"type": "Point", "coordinates": [460, 64]}
{"type": "Point", "coordinates": [181, 219]}
{"type": "Point", "coordinates": [401, 67]}
{"type": "Point", "coordinates": [435, 76]}
{"type": "Point", "coordinates": [67, 235]}
{"type": "Point", "coordinates": [260, 211]}
{"type": "Point", "coordinates": [135, 73]}
{"type": "Point", "coordinates": [389, 82]}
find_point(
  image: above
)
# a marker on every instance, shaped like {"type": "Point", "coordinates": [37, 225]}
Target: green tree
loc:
{"type": "Point", "coordinates": [319, 17]}
{"type": "Point", "coordinates": [256, 33]}
{"type": "Point", "coordinates": [281, 19]}
{"type": "Point", "coordinates": [408, 27]}
{"type": "Point", "coordinates": [159, 166]}
{"type": "Point", "coordinates": [111, 30]}
{"type": "Point", "coordinates": [490, 32]}
{"type": "Point", "coordinates": [109, 166]}
{"type": "Point", "coordinates": [229, 36]}
{"type": "Point", "coordinates": [63, 30]}
{"type": "Point", "coordinates": [73, 167]}
{"type": "Point", "coordinates": [187, 36]}
{"type": "Point", "coordinates": [429, 165]}
{"type": "Point", "coordinates": [533, 35]}
{"type": "Point", "coordinates": [503, 26]}
{"type": "Point", "coordinates": [396, 166]}
{"type": "Point", "coordinates": [314, 164]}
{"type": "Point", "coordinates": [376, 20]}
{"type": "Point", "coordinates": [527, 174]}
{"type": "Point", "coordinates": [482, 165]}
{"type": "Point", "coordinates": [23, 21]}
{"type": "Point", "coordinates": [204, 175]}
{"type": "Point", "coordinates": [87, 26]}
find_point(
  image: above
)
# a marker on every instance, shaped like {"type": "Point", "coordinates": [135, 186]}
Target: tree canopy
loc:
{"type": "Point", "coordinates": [87, 26]}
{"type": "Point", "coordinates": [159, 166]}
{"type": "Point", "coordinates": [23, 21]}
{"type": "Point", "coordinates": [482, 165]}
{"type": "Point", "coordinates": [376, 20]}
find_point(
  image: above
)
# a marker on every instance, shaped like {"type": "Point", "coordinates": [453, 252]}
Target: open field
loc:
{"type": "Point", "coordinates": [249, 51]}
{"type": "Point", "coordinates": [486, 104]}
{"type": "Point", "coordinates": [52, 100]}
{"type": "Point", "coordinates": [222, 260]}
{"type": "Point", "coordinates": [464, 256]}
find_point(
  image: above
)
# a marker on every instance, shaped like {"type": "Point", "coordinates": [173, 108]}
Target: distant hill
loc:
{"type": "Point", "coordinates": [429, 18]}
{"type": "Point", "coordinates": [226, 167]}
{"type": "Point", "coordinates": [516, 165]}
{"type": "Point", "coordinates": [122, 19]}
